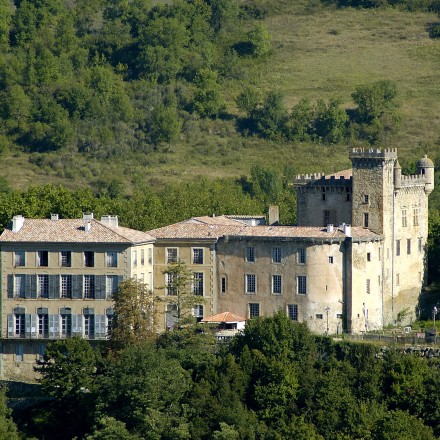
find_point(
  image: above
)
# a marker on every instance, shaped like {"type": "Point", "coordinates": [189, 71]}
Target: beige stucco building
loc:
{"type": "Point", "coordinates": [355, 260]}
{"type": "Point", "coordinates": [58, 276]}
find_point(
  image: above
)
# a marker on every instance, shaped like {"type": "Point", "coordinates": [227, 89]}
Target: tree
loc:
{"type": "Point", "coordinates": [259, 40]}
{"type": "Point", "coordinates": [208, 101]}
{"type": "Point", "coordinates": [330, 121]}
{"type": "Point", "coordinates": [181, 290]}
{"type": "Point", "coordinates": [134, 313]}
{"type": "Point", "coordinates": [111, 429]}
{"type": "Point", "coordinates": [165, 124]}
{"type": "Point", "coordinates": [8, 429]}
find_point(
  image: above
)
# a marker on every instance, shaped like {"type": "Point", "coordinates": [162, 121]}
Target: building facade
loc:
{"type": "Point", "coordinates": [353, 263]}
{"type": "Point", "coordinates": [58, 277]}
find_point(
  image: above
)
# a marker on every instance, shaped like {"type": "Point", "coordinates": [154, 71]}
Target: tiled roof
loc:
{"type": "Point", "coordinates": [72, 231]}
{"type": "Point", "coordinates": [217, 220]}
{"type": "Point", "coordinates": [227, 317]}
{"type": "Point", "coordinates": [190, 230]}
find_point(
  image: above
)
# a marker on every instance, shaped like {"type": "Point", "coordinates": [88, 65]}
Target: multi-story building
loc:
{"type": "Point", "coordinates": [355, 260]}
{"type": "Point", "coordinates": [57, 280]}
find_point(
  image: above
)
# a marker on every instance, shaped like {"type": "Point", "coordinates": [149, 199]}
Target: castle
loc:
{"type": "Point", "coordinates": [355, 260]}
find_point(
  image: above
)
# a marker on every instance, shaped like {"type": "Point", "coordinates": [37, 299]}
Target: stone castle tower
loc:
{"type": "Point", "coordinates": [375, 195]}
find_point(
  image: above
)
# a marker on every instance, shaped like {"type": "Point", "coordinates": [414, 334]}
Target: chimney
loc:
{"type": "Point", "coordinates": [110, 220]}
{"type": "Point", "coordinates": [274, 215]}
{"type": "Point", "coordinates": [17, 223]}
{"type": "Point", "coordinates": [87, 215]}
{"type": "Point", "coordinates": [329, 228]}
{"type": "Point", "coordinates": [54, 217]}
{"type": "Point", "coordinates": [87, 226]}
{"type": "Point", "coordinates": [347, 230]}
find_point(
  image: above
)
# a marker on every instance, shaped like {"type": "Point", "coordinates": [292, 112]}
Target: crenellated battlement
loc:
{"type": "Point", "coordinates": [413, 180]}
{"type": "Point", "coordinates": [322, 180]}
{"type": "Point", "coordinates": [373, 153]}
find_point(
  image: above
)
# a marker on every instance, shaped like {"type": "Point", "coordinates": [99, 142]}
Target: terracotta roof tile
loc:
{"type": "Point", "coordinates": [72, 231]}
{"type": "Point", "coordinates": [227, 317]}
{"type": "Point", "coordinates": [344, 173]}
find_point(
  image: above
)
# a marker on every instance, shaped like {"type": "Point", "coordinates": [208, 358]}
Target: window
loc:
{"type": "Point", "coordinates": [398, 279]}
{"type": "Point", "coordinates": [43, 325]}
{"type": "Point", "coordinates": [142, 257]}
{"type": "Point", "coordinates": [66, 322]}
{"type": "Point", "coordinates": [276, 284]}
{"type": "Point", "coordinates": [416, 217]}
{"type": "Point", "coordinates": [339, 315]}
{"type": "Point", "coordinates": [19, 258]}
{"type": "Point", "coordinates": [326, 217]}
{"type": "Point", "coordinates": [42, 258]}
{"type": "Point", "coordinates": [302, 256]}
{"type": "Point", "coordinates": [367, 286]}
{"type": "Point", "coordinates": [198, 312]}
{"type": "Point", "coordinates": [347, 197]}
{"type": "Point", "coordinates": [89, 287]}
{"type": "Point", "coordinates": [254, 310]}
{"type": "Point", "coordinates": [135, 258]}
{"type": "Point", "coordinates": [366, 199]}
{"type": "Point", "coordinates": [110, 314]}
{"type": "Point", "coordinates": [251, 283]}
{"type": "Point", "coordinates": [19, 353]}
{"type": "Point", "coordinates": [397, 247]}
{"type": "Point", "coordinates": [330, 260]}
{"type": "Point", "coordinates": [20, 286]}
{"type": "Point", "coordinates": [171, 255]}
{"type": "Point", "coordinates": [43, 286]}
{"type": "Point", "coordinates": [150, 256]}
{"type": "Point", "coordinates": [319, 316]}
{"type": "Point", "coordinates": [292, 311]}
{"type": "Point", "coordinates": [89, 325]}
{"type": "Point", "coordinates": [66, 286]}
{"type": "Point", "coordinates": [404, 221]}
{"type": "Point", "coordinates": [408, 246]}
{"type": "Point", "coordinates": [301, 285]}
{"type": "Point", "coordinates": [323, 194]}
{"type": "Point", "coordinates": [198, 283]}
{"type": "Point", "coordinates": [20, 325]}
{"type": "Point", "coordinates": [366, 219]}
{"type": "Point", "coordinates": [223, 285]}
{"type": "Point", "coordinates": [197, 256]}
{"type": "Point", "coordinates": [420, 241]}
{"type": "Point", "coordinates": [112, 259]}
{"type": "Point", "coordinates": [276, 255]}
{"type": "Point", "coordinates": [66, 258]}
{"type": "Point", "coordinates": [250, 254]}
{"type": "Point", "coordinates": [368, 256]}
{"type": "Point", "coordinates": [170, 287]}
{"type": "Point", "coordinates": [89, 259]}
{"type": "Point", "coordinates": [111, 285]}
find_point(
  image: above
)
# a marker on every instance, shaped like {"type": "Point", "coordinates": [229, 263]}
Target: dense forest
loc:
{"type": "Point", "coordinates": [275, 381]}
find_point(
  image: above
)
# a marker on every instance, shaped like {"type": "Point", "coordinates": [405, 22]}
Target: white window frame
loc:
{"type": "Point", "coordinates": [112, 259]}
{"type": "Point", "coordinates": [301, 285]}
{"type": "Point", "coordinates": [43, 285]}
{"type": "Point", "coordinates": [277, 284]}
{"type": "Point", "coordinates": [171, 258]}
{"type": "Point", "coordinates": [302, 256]}
{"type": "Point", "coordinates": [19, 258]}
{"type": "Point", "coordinates": [198, 283]}
{"type": "Point", "coordinates": [197, 259]}
{"type": "Point", "coordinates": [66, 259]}
{"type": "Point", "coordinates": [250, 254]}
{"type": "Point", "coordinates": [19, 286]}
{"type": "Point", "coordinates": [256, 307]}
{"type": "Point", "coordinates": [251, 283]}
{"type": "Point", "coordinates": [89, 287]}
{"type": "Point", "coordinates": [169, 288]}
{"type": "Point", "coordinates": [292, 311]}
{"type": "Point", "coordinates": [276, 255]}
{"type": "Point", "coordinates": [66, 286]}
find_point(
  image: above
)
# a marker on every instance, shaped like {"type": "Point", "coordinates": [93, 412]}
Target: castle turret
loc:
{"type": "Point", "coordinates": [425, 167]}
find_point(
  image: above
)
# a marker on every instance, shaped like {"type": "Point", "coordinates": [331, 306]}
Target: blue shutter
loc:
{"type": "Point", "coordinates": [10, 286]}
{"type": "Point", "coordinates": [77, 286]}
{"type": "Point", "coordinates": [77, 325]}
{"type": "Point", "coordinates": [54, 326]}
{"type": "Point", "coordinates": [27, 325]}
{"type": "Point", "coordinates": [10, 325]}
{"type": "Point", "coordinates": [31, 284]}
{"type": "Point", "coordinates": [99, 287]}
{"type": "Point", "coordinates": [100, 326]}
{"type": "Point", "coordinates": [28, 287]}
{"type": "Point", "coordinates": [54, 286]}
{"type": "Point", "coordinates": [34, 326]}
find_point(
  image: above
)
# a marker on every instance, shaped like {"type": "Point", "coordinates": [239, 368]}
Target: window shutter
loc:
{"type": "Point", "coordinates": [27, 325]}
{"type": "Point", "coordinates": [51, 326]}
{"type": "Point", "coordinates": [31, 284]}
{"type": "Point", "coordinates": [54, 286]}
{"type": "Point", "coordinates": [56, 325]}
{"type": "Point", "coordinates": [34, 322]}
{"type": "Point", "coordinates": [10, 325]}
{"type": "Point", "coordinates": [77, 325]}
{"type": "Point", "coordinates": [99, 326]}
{"type": "Point", "coordinates": [10, 286]}
{"type": "Point", "coordinates": [100, 286]}
{"type": "Point", "coordinates": [77, 286]}
{"type": "Point", "coordinates": [28, 287]}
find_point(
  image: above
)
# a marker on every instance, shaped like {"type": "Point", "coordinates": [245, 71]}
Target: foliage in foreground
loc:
{"type": "Point", "coordinates": [274, 381]}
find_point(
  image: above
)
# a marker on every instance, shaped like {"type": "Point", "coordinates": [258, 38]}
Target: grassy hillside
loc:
{"type": "Point", "coordinates": [317, 52]}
